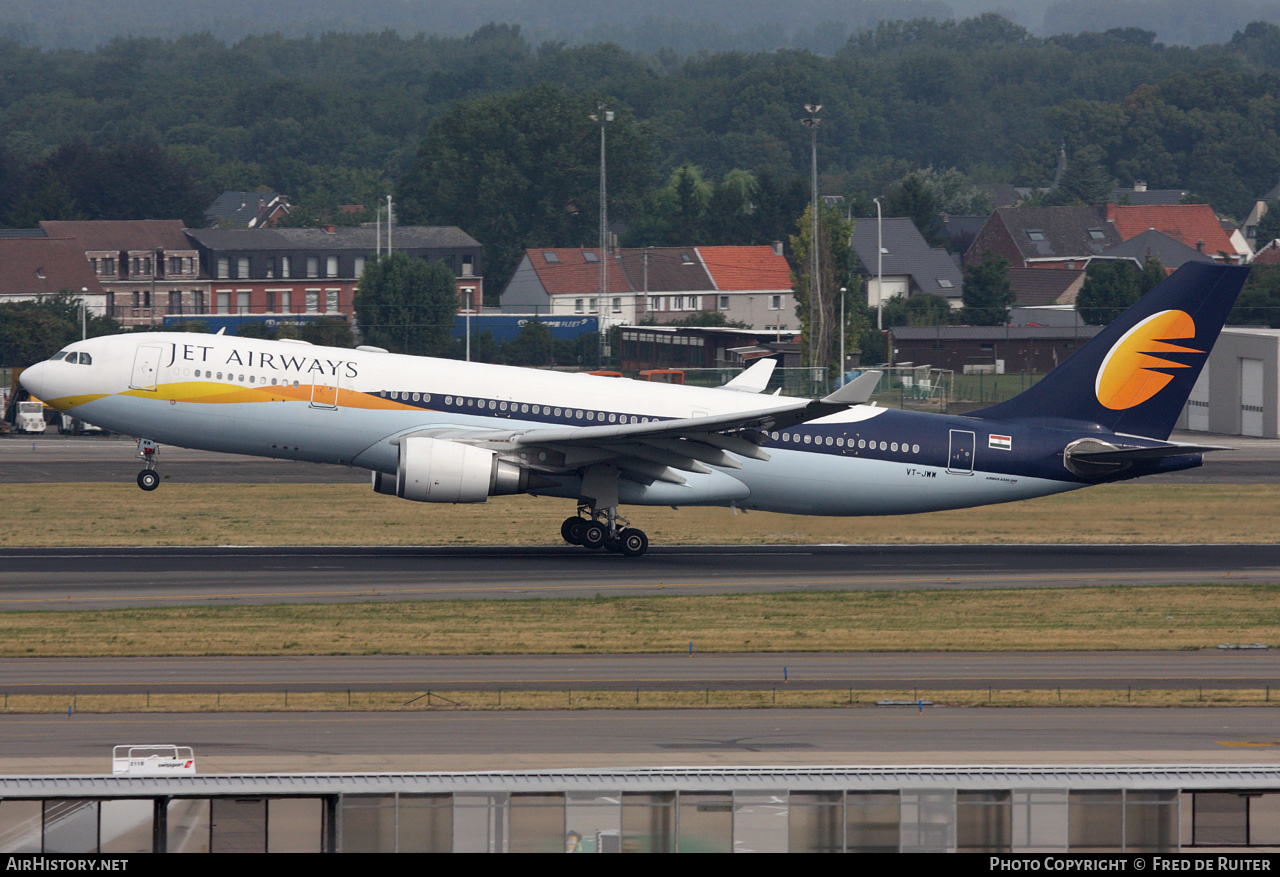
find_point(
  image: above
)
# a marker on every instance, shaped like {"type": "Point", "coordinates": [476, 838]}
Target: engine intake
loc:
{"type": "Point", "coordinates": [434, 470]}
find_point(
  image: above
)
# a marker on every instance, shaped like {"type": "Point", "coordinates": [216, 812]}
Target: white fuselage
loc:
{"type": "Point", "coordinates": [331, 405]}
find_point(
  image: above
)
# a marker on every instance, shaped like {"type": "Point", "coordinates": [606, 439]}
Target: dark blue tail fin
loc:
{"type": "Point", "coordinates": [1135, 375]}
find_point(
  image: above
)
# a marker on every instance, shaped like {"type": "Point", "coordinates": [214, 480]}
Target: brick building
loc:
{"type": "Point", "coordinates": [146, 267]}
{"type": "Point", "coordinates": [315, 270]}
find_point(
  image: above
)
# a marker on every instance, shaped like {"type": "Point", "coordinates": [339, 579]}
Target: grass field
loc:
{"type": "Point", "coordinates": [781, 697]}
{"type": "Point", "coordinates": [1183, 617]}
{"type": "Point", "coordinates": [42, 515]}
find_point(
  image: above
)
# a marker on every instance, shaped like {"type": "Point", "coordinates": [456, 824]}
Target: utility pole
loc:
{"type": "Point", "coordinates": [388, 226]}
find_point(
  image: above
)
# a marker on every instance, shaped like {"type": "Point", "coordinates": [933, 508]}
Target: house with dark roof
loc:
{"type": "Point", "coordinates": [961, 230]}
{"type": "Point", "coordinates": [286, 271]}
{"type": "Point", "coordinates": [1045, 237]}
{"type": "Point", "coordinates": [750, 284]}
{"type": "Point", "coordinates": [247, 210]}
{"type": "Point", "coordinates": [1141, 196]}
{"type": "Point", "coordinates": [1006, 195]}
{"type": "Point", "coordinates": [32, 267]}
{"type": "Point", "coordinates": [1173, 254]}
{"type": "Point", "coordinates": [1033, 287]}
{"type": "Point", "coordinates": [147, 267]}
{"type": "Point", "coordinates": [907, 263]}
{"type": "Point", "coordinates": [1250, 225]}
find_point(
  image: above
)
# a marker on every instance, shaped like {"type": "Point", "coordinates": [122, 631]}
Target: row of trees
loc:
{"type": "Point", "coordinates": [336, 120]}
{"type": "Point", "coordinates": [32, 331]}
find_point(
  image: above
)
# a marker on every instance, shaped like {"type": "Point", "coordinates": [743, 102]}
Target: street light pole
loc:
{"type": "Point", "coordinates": [879, 268]}
{"type": "Point", "coordinates": [471, 292]}
{"type": "Point", "coordinates": [843, 291]}
{"type": "Point", "coordinates": [815, 283]}
{"type": "Point", "coordinates": [601, 116]}
{"type": "Point", "coordinates": [156, 256]}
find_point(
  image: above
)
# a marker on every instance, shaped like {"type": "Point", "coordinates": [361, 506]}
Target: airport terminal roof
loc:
{"type": "Point", "coordinates": [720, 779]}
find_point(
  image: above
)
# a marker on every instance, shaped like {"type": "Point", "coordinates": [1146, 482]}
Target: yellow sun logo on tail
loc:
{"type": "Point", "coordinates": [1128, 375]}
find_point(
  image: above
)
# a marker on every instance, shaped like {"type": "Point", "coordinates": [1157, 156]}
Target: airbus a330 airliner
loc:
{"type": "Point", "coordinates": [442, 431]}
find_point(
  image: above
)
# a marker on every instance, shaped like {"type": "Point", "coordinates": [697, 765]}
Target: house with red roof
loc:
{"type": "Point", "coordinates": [1194, 225]}
{"type": "Point", "coordinates": [747, 284]}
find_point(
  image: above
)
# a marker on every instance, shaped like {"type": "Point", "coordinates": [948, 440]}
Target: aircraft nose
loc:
{"type": "Point", "coordinates": [33, 379]}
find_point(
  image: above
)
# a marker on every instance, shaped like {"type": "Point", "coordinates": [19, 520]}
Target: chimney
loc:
{"type": "Point", "coordinates": [1200, 246]}
{"type": "Point", "coordinates": [1139, 185]}
{"type": "Point", "coordinates": [777, 248]}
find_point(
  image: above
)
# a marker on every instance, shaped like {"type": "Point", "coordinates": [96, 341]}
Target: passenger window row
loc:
{"type": "Point", "coordinates": [828, 441]}
{"type": "Point", "coordinates": [253, 379]}
{"type": "Point", "coordinates": [595, 417]}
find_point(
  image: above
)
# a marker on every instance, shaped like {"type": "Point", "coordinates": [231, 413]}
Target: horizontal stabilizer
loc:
{"type": "Point", "coordinates": [1133, 455]}
{"type": "Point", "coordinates": [857, 392]}
{"type": "Point", "coordinates": [753, 379]}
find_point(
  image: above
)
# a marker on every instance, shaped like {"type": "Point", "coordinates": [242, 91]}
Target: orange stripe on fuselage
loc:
{"type": "Point", "coordinates": [209, 393]}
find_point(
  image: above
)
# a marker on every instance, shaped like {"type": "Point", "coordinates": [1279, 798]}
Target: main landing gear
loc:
{"type": "Point", "coordinates": [148, 478]}
{"type": "Point", "coordinates": [603, 528]}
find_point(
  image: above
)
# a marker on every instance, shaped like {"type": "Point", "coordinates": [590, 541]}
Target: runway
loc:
{"type": "Point", "coordinates": [1212, 669]}
{"type": "Point", "coordinates": [396, 741]}
{"type": "Point", "coordinates": [99, 578]}
{"type": "Point", "coordinates": [65, 459]}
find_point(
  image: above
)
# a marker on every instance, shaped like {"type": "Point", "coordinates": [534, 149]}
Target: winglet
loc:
{"type": "Point", "coordinates": [857, 392]}
{"type": "Point", "coordinates": [753, 379]}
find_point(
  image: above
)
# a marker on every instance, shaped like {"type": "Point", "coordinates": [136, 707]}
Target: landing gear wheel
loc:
{"type": "Point", "coordinates": [569, 529]}
{"type": "Point", "coordinates": [593, 535]}
{"type": "Point", "coordinates": [633, 542]}
{"type": "Point", "coordinates": [612, 544]}
{"type": "Point", "coordinates": [148, 479]}
{"type": "Point", "coordinates": [575, 531]}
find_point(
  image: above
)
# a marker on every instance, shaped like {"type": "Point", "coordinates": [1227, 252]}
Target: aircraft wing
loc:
{"type": "Point", "coordinates": [657, 449]}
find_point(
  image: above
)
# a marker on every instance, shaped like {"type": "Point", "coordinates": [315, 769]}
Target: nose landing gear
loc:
{"type": "Point", "coordinates": [603, 528]}
{"type": "Point", "coordinates": [148, 478]}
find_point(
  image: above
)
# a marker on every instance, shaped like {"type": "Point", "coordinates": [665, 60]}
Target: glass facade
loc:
{"type": "Point", "coordinates": [672, 820]}
{"type": "Point", "coordinates": [649, 822]}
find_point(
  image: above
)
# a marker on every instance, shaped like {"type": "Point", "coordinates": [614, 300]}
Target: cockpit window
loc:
{"type": "Point", "coordinates": [86, 359]}
{"type": "Point", "coordinates": [57, 356]}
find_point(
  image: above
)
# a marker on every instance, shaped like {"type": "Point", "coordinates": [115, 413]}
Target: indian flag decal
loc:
{"type": "Point", "coordinates": [1000, 442]}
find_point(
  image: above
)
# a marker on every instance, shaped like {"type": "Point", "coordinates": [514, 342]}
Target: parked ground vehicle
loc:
{"type": "Point", "coordinates": [30, 416]}
{"type": "Point", "coordinates": [69, 425]}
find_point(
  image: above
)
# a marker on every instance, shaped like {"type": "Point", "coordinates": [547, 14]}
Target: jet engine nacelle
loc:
{"type": "Point", "coordinates": [434, 470]}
